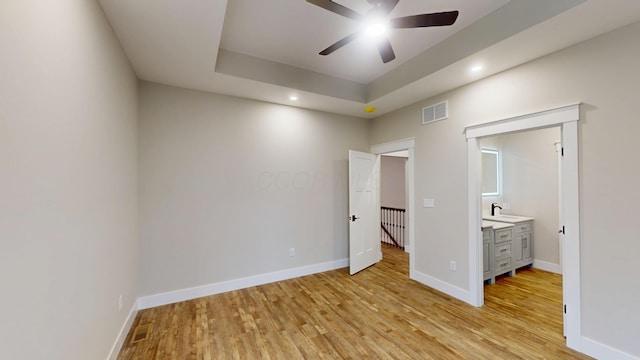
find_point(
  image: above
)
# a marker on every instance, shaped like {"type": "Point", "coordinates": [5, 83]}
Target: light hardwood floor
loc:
{"type": "Point", "coordinates": [376, 314]}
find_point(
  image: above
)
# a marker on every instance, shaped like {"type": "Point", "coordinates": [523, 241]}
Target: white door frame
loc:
{"type": "Point", "coordinates": [567, 118]}
{"type": "Point", "coordinates": [400, 145]}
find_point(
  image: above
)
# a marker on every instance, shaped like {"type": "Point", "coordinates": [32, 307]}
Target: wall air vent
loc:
{"type": "Point", "coordinates": [437, 112]}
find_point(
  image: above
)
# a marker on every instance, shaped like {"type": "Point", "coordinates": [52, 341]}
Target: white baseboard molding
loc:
{"type": "Point", "coordinates": [124, 331]}
{"type": "Point", "coordinates": [601, 351]}
{"type": "Point", "coordinates": [451, 290]}
{"type": "Point", "coordinates": [547, 266]}
{"type": "Point", "coordinates": [171, 297]}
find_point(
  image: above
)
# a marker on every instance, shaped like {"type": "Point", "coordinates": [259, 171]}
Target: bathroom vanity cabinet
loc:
{"type": "Point", "coordinates": [487, 246]}
{"type": "Point", "coordinates": [497, 242]}
{"type": "Point", "coordinates": [522, 242]}
{"type": "Point", "coordinates": [513, 245]}
{"type": "Point", "coordinates": [503, 242]}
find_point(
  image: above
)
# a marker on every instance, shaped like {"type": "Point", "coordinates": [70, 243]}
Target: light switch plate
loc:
{"type": "Point", "coordinates": [429, 203]}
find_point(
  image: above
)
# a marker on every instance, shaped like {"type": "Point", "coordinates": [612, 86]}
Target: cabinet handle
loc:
{"type": "Point", "coordinates": [503, 250]}
{"type": "Point", "coordinates": [503, 236]}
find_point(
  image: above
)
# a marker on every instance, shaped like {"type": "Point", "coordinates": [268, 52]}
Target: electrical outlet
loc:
{"type": "Point", "coordinates": [506, 206]}
{"type": "Point", "coordinates": [120, 303]}
{"type": "Point", "coordinates": [452, 265]}
{"type": "Point", "coordinates": [292, 252]}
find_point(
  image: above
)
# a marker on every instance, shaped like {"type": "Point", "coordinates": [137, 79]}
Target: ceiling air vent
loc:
{"type": "Point", "coordinates": [439, 111]}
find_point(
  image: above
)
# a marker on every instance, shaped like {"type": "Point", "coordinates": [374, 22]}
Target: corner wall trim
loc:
{"type": "Point", "coordinates": [601, 351]}
{"type": "Point", "coordinates": [124, 331]}
{"type": "Point", "coordinates": [442, 286]}
{"type": "Point", "coordinates": [170, 297]}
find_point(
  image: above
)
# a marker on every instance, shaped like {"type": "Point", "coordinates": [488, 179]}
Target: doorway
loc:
{"type": "Point", "coordinates": [407, 145]}
{"type": "Point", "coordinates": [393, 199]}
{"type": "Point", "coordinates": [520, 178]}
{"type": "Point", "coordinates": [566, 117]}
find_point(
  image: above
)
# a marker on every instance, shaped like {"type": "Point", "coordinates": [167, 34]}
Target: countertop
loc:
{"type": "Point", "coordinates": [496, 225]}
{"type": "Point", "coordinates": [513, 219]}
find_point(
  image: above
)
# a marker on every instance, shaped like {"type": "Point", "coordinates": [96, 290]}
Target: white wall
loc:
{"type": "Point", "coordinates": [530, 185]}
{"type": "Point", "coordinates": [603, 74]}
{"type": "Point", "coordinates": [68, 219]}
{"type": "Point", "coordinates": [392, 182]}
{"type": "Point", "coordinates": [228, 185]}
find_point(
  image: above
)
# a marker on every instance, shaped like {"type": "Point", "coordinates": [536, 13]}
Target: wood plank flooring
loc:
{"type": "Point", "coordinates": [376, 314]}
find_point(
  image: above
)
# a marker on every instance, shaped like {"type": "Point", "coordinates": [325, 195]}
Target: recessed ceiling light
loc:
{"type": "Point", "coordinates": [476, 68]}
{"type": "Point", "coordinates": [293, 97]}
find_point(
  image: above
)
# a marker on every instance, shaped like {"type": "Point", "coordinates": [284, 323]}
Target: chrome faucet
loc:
{"type": "Point", "coordinates": [493, 208]}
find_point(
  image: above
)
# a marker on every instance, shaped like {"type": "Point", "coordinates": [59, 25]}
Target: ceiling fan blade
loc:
{"type": "Point", "coordinates": [425, 20]}
{"type": "Point", "coordinates": [386, 51]}
{"type": "Point", "coordinates": [386, 7]}
{"type": "Point", "coordinates": [340, 43]}
{"type": "Point", "coordinates": [337, 8]}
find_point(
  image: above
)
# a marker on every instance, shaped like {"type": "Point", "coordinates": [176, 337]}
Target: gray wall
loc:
{"type": "Point", "coordinates": [530, 185]}
{"type": "Point", "coordinates": [392, 182]}
{"type": "Point", "coordinates": [228, 185]}
{"type": "Point", "coordinates": [68, 219]}
{"type": "Point", "coordinates": [603, 74]}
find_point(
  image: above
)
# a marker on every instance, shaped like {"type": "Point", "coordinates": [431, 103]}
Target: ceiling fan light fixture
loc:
{"type": "Point", "coordinates": [376, 28]}
{"type": "Point", "coordinates": [376, 22]}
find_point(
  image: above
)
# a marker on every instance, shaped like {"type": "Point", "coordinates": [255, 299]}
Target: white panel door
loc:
{"type": "Point", "coordinates": [364, 211]}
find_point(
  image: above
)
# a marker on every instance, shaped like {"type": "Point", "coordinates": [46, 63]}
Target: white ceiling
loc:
{"type": "Point", "coordinates": [268, 50]}
{"type": "Point", "coordinates": [295, 36]}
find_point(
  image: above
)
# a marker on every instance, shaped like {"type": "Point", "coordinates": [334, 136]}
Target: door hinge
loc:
{"type": "Point", "coordinates": [561, 231]}
{"type": "Point", "coordinates": [565, 309]}
{"type": "Point", "coordinates": [562, 151]}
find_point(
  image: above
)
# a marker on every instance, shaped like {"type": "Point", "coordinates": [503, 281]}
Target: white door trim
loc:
{"type": "Point", "coordinates": [566, 117]}
{"type": "Point", "coordinates": [409, 145]}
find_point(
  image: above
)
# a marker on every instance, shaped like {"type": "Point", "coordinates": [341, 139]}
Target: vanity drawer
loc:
{"type": "Point", "coordinates": [502, 265]}
{"type": "Point", "coordinates": [503, 236]}
{"type": "Point", "coordinates": [522, 228]}
{"type": "Point", "coordinates": [503, 251]}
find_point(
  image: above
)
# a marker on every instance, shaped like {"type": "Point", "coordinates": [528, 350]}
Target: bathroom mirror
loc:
{"type": "Point", "coordinates": [490, 172]}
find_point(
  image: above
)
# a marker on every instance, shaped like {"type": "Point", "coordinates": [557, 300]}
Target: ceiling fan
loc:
{"type": "Point", "coordinates": [375, 22]}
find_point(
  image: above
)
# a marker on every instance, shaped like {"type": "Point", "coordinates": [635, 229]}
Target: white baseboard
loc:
{"type": "Point", "coordinates": [601, 351]}
{"type": "Point", "coordinates": [171, 297]}
{"type": "Point", "coordinates": [451, 290]}
{"type": "Point", "coordinates": [547, 266]}
{"type": "Point", "coordinates": [124, 331]}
